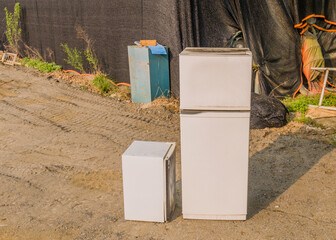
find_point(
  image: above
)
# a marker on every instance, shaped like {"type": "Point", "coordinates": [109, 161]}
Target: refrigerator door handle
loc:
{"type": "Point", "coordinates": [195, 112]}
{"type": "Point", "coordinates": [190, 111]}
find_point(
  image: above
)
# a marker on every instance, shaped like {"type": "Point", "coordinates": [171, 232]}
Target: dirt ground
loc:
{"type": "Point", "coordinates": [60, 169]}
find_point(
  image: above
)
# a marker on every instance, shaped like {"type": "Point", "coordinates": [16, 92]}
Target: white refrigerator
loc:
{"type": "Point", "coordinates": [148, 170]}
{"type": "Point", "coordinates": [215, 102]}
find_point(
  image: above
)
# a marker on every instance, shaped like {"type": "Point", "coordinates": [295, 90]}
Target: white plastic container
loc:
{"type": "Point", "coordinates": [149, 181]}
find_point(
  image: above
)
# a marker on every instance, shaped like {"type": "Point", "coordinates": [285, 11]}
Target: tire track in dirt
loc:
{"type": "Point", "coordinates": [123, 123]}
{"type": "Point", "coordinates": [93, 117]}
{"type": "Point", "coordinates": [86, 101]}
{"type": "Point", "coordinates": [20, 180]}
{"type": "Point", "coordinates": [94, 120]}
{"type": "Point", "coordinates": [86, 97]}
{"type": "Point", "coordinates": [23, 110]}
{"type": "Point", "coordinates": [23, 120]}
{"type": "Point", "coordinates": [117, 107]}
{"type": "Point", "coordinates": [70, 150]}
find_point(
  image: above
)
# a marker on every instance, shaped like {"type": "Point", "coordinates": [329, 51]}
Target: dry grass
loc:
{"type": "Point", "coordinates": [81, 81]}
{"type": "Point", "coordinates": [172, 104]}
{"type": "Point", "coordinates": [85, 82]}
{"type": "Point", "coordinates": [122, 93]}
{"type": "Point", "coordinates": [32, 52]}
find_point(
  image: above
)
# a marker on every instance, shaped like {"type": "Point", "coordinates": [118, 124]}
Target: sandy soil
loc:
{"type": "Point", "coordinates": [60, 169]}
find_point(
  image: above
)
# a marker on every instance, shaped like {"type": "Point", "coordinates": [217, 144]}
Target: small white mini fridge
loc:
{"type": "Point", "coordinates": [215, 100]}
{"type": "Point", "coordinates": [149, 176]}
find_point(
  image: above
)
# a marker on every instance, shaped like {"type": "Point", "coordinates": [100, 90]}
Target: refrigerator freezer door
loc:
{"type": "Point", "coordinates": [214, 161]}
{"type": "Point", "coordinates": [215, 79]}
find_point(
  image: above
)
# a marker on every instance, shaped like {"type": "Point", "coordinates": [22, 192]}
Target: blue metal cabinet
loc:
{"type": "Point", "coordinates": [149, 74]}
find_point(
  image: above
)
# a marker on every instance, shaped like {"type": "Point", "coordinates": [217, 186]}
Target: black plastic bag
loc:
{"type": "Point", "coordinates": [267, 112]}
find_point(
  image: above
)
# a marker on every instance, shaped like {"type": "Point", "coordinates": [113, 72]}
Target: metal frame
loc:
{"type": "Point", "coordinates": [7, 60]}
{"type": "Point", "coordinates": [324, 86]}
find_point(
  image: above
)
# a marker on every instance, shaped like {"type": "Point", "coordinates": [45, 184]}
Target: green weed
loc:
{"type": "Point", "coordinates": [300, 104]}
{"type": "Point", "coordinates": [103, 83]}
{"type": "Point", "coordinates": [40, 65]}
{"type": "Point", "coordinates": [303, 119]}
{"type": "Point", "coordinates": [90, 57]}
{"type": "Point", "coordinates": [308, 121]}
{"type": "Point", "coordinates": [74, 57]}
{"type": "Point", "coordinates": [13, 30]}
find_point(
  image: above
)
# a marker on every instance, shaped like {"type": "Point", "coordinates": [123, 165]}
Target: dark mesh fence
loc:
{"type": "Point", "coordinates": [267, 27]}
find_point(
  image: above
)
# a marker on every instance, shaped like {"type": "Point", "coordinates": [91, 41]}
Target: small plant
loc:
{"type": "Point", "coordinates": [90, 57]}
{"type": "Point", "coordinates": [13, 30]}
{"type": "Point", "coordinates": [297, 105]}
{"type": "Point", "coordinates": [308, 121]}
{"type": "Point", "coordinates": [89, 53]}
{"type": "Point", "coordinates": [301, 103]}
{"type": "Point", "coordinates": [74, 57]}
{"type": "Point", "coordinates": [304, 119]}
{"type": "Point", "coordinates": [104, 84]}
{"type": "Point", "coordinates": [41, 65]}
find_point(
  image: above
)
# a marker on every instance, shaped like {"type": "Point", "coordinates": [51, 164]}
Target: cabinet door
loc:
{"type": "Point", "coordinates": [143, 189]}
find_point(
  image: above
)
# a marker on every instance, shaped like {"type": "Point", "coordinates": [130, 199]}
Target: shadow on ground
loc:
{"type": "Point", "coordinates": [278, 166]}
{"type": "Point", "coordinates": [274, 169]}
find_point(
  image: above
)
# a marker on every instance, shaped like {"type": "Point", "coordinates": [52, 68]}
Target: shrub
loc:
{"type": "Point", "coordinates": [104, 84]}
{"type": "Point", "coordinates": [13, 30]}
{"type": "Point", "coordinates": [41, 65]}
{"type": "Point", "coordinates": [74, 57]}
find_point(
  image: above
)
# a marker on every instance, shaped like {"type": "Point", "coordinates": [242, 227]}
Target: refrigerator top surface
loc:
{"type": "Point", "coordinates": [192, 51]}
{"type": "Point", "coordinates": [148, 149]}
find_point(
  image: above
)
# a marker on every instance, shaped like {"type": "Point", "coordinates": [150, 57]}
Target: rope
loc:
{"type": "Point", "coordinates": [300, 84]}
{"type": "Point", "coordinates": [301, 25]}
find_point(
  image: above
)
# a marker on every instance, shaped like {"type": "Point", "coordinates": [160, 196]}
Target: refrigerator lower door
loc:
{"type": "Point", "coordinates": [214, 148]}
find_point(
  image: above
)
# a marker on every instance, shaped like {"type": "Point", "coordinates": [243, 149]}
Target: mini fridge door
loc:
{"type": "Point", "coordinates": [215, 79]}
{"type": "Point", "coordinates": [214, 159]}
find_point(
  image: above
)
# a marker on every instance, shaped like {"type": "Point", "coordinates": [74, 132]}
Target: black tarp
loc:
{"type": "Point", "coordinates": [267, 27]}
